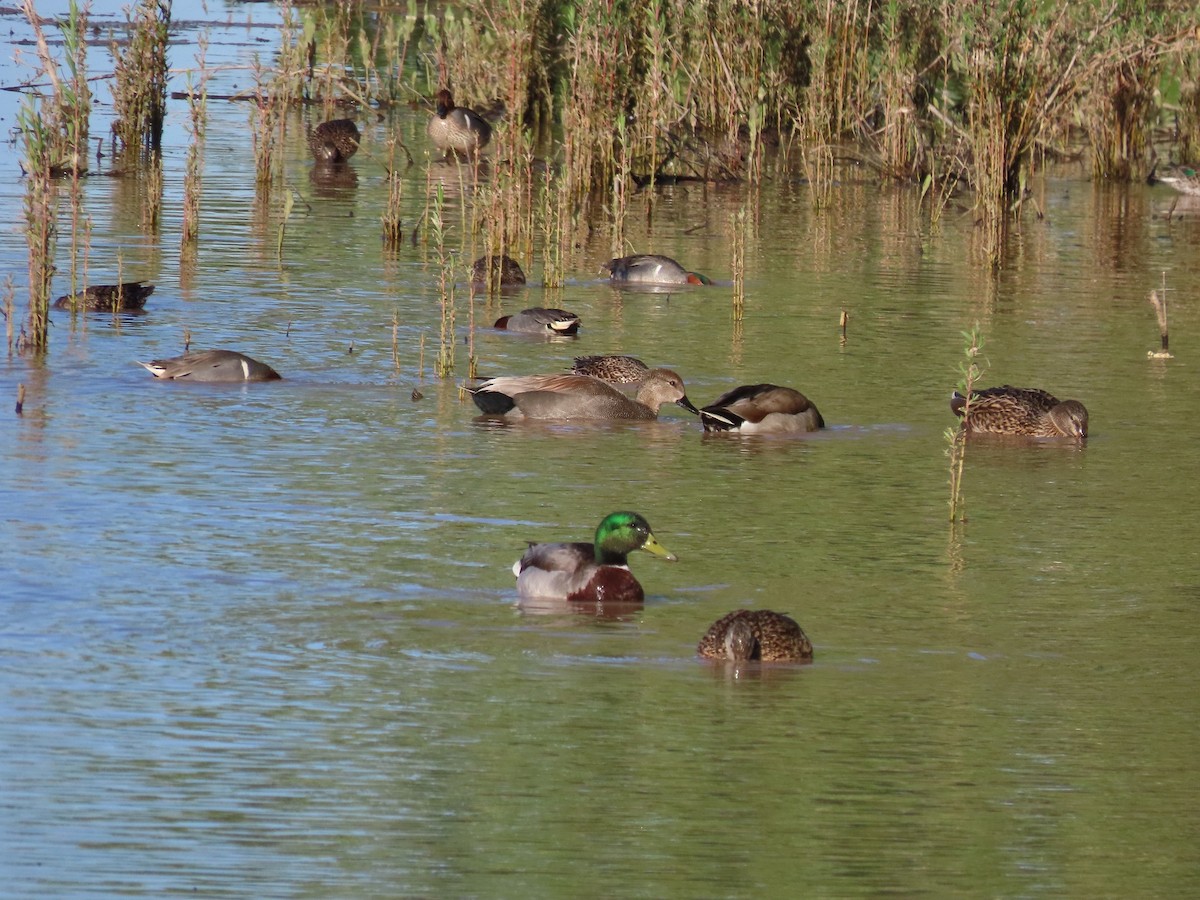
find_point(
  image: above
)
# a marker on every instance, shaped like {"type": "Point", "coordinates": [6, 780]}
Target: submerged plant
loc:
{"type": "Point", "coordinates": [956, 438]}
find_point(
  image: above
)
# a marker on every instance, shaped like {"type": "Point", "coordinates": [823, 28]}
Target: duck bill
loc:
{"type": "Point", "coordinates": [687, 404]}
{"type": "Point", "coordinates": [653, 546]}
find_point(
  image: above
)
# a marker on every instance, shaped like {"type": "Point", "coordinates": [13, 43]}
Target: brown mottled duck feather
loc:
{"type": "Point", "coordinates": [502, 271]}
{"type": "Point", "coordinates": [613, 369]}
{"type": "Point", "coordinates": [108, 297]}
{"type": "Point", "coordinates": [749, 634]}
{"type": "Point", "coordinates": [334, 141]}
{"type": "Point", "coordinates": [1025, 411]}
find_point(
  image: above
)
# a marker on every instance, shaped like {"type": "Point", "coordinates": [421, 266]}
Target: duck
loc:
{"type": "Point", "coordinates": [755, 634]}
{"type": "Point", "coordinates": [576, 397]}
{"type": "Point", "coordinates": [456, 129]}
{"type": "Point", "coordinates": [762, 409]}
{"type": "Point", "coordinates": [334, 142]}
{"type": "Point", "coordinates": [213, 367]}
{"type": "Point", "coordinates": [501, 271]}
{"type": "Point", "coordinates": [1024, 411]}
{"type": "Point", "coordinates": [108, 297]}
{"type": "Point", "coordinates": [1184, 179]}
{"type": "Point", "coordinates": [650, 268]}
{"type": "Point", "coordinates": [540, 320]}
{"type": "Point", "coordinates": [612, 369]}
{"type": "Point", "coordinates": [590, 573]}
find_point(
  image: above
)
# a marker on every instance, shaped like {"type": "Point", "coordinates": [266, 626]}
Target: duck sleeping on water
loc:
{"type": "Point", "coordinates": [590, 573]}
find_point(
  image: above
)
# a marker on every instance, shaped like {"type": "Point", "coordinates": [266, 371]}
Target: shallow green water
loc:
{"type": "Point", "coordinates": [262, 641]}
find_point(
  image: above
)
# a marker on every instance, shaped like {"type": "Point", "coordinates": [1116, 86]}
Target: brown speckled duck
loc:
{"type": "Point", "coordinates": [1024, 411]}
{"type": "Point", "coordinates": [108, 297]}
{"type": "Point", "coordinates": [213, 367]}
{"type": "Point", "coordinates": [762, 409]}
{"type": "Point", "coordinates": [334, 141]}
{"type": "Point", "coordinates": [613, 369]}
{"type": "Point", "coordinates": [579, 397]}
{"type": "Point", "coordinates": [596, 572]}
{"type": "Point", "coordinates": [756, 634]}
{"type": "Point", "coordinates": [650, 269]}
{"type": "Point", "coordinates": [456, 129]}
{"type": "Point", "coordinates": [546, 321]}
{"type": "Point", "coordinates": [501, 271]}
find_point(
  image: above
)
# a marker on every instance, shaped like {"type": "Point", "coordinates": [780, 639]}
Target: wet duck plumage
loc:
{"type": "Point", "coordinates": [501, 271]}
{"type": "Point", "coordinates": [595, 572]}
{"type": "Point", "coordinates": [650, 268]}
{"type": "Point", "coordinates": [579, 397]}
{"type": "Point", "coordinates": [334, 141]}
{"type": "Point", "coordinates": [213, 367]}
{"type": "Point", "coordinates": [756, 634]}
{"type": "Point", "coordinates": [613, 369]}
{"type": "Point", "coordinates": [762, 409]}
{"type": "Point", "coordinates": [540, 320]}
{"type": "Point", "coordinates": [1021, 411]}
{"type": "Point", "coordinates": [108, 297]}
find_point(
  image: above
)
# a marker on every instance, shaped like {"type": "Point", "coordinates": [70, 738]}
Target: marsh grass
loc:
{"type": "Point", "coordinates": [197, 124]}
{"type": "Point", "coordinates": [970, 371]}
{"type": "Point", "coordinates": [439, 232]}
{"type": "Point", "coordinates": [139, 86]}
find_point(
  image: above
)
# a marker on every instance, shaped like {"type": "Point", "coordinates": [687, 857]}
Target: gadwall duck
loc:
{"type": "Point", "coordinates": [579, 397]}
{"type": "Point", "coordinates": [212, 366]}
{"type": "Point", "coordinates": [540, 320]}
{"type": "Point", "coordinates": [613, 369]}
{"type": "Point", "coordinates": [334, 141]}
{"type": "Point", "coordinates": [650, 268]}
{"type": "Point", "coordinates": [501, 271]}
{"type": "Point", "coordinates": [596, 572]}
{"type": "Point", "coordinates": [762, 409]}
{"type": "Point", "coordinates": [749, 634]}
{"type": "Point", "coordinates": [456, 129]}
{"type": "Point", "coordinates": [108, 297]}
{"type": "Point", "coordinates": [1025, 411]}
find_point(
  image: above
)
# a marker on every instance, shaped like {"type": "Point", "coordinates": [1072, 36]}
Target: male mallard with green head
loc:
{"type": "Point", "coordinates": [592, 573]}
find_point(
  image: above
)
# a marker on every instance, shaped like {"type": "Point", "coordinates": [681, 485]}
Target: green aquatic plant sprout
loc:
{"type": "Point", "coordinates": [970, 372]}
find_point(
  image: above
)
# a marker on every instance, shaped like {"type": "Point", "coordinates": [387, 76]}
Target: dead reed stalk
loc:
{"type": "Point", "coordinates": [956, 438]}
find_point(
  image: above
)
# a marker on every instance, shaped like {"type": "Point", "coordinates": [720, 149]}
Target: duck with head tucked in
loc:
{"type": "Point", "coordinates": [756, 634]}
{"type": "Point", "coordinates": [546, 321]}
{"type": "Point", "coordinates": [762, 409]}
{"type": "Point", "coordinates": [1020, 411]}
{"type": "Point", "coordinates": [334, 142]}
{"type": "Point", "coordinates": [650, 269]}
{"type": "Point", "coordinates": [212, 367]}
{"type": "Point", "coordinates": [594, 573]}
{"type": "Point", "coordinates": [579, 397]}
{"type": "Point", "coordinates": [456, 129]}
